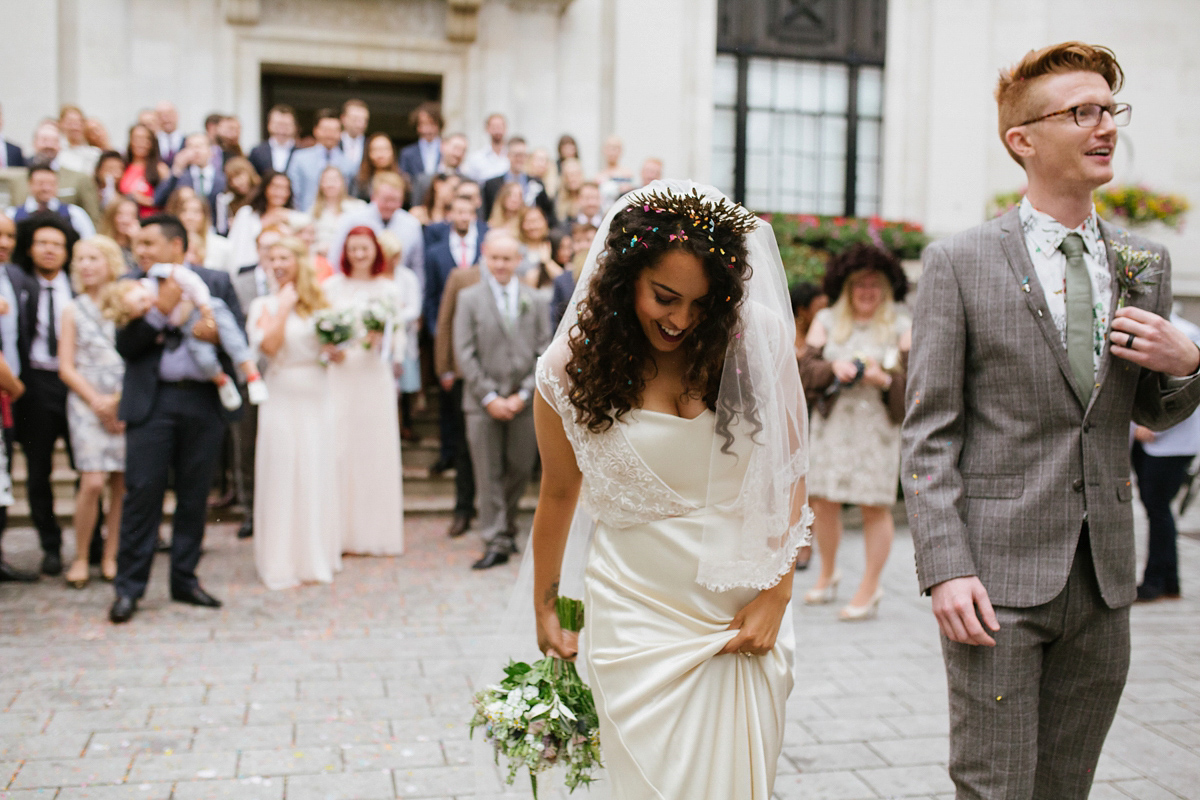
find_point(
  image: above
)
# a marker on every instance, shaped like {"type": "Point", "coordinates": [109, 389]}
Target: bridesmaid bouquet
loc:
{"type": "Point", "coordinates": [377, 317]}
{"type": "Point", "coordinates": [334, 326]}
{"type": "Point", "coordinates": [543, 714]}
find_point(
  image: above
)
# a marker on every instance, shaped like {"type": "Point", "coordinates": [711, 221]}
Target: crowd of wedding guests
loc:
{"type": "Point", "coordinates": [158, 315]}
{"type": "Point", "coordinates": [159, 310]}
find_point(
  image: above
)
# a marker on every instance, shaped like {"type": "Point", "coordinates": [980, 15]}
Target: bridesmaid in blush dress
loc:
{"type": "Point", "coordinates": [297, 515]}
{"type": "Point", "coordinates": [363, 389]}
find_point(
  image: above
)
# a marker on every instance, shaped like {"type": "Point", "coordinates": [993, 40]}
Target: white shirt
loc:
{"type": "Point", "coordinates": [80, 221]}
{"type": "Point", "coordinates": [430, 152]}
{"type": "Point", "coordinates": [169, 143]}
{"type": "Point", "coordinates": [485, 164]}
{"type": "Point", "coordinates": [79, 158]}
{"type": "Point", "coordinates": [9, 322]}
{"type": "Point", "coordinates": [280, 153]}
{"type": "Point", "coordinates": [39, 348]}
{"type": "Point", "coordinates": [202, 179]}
{"type": "Point", "coordinates": [1043, 235]}
{"type": "Point", "coordinates": [1182, 439]}
{"type": "Point", "coordinates": [463, 247]}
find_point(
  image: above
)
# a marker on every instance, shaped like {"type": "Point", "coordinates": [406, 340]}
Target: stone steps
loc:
{"type": "Point", "coordinates": [423, 493]}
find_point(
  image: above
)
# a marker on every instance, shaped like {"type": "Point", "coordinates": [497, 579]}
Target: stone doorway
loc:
{"type": "Point", "coordinates": [391, 97]}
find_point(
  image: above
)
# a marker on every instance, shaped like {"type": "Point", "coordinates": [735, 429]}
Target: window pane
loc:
{"type": "Point", "coordinates": [758, 131]}
{"type": "Point", "coordinates": [836, 84]}
{"type": "Point", "coordinates": [868, 138]}
{"type": "Point", "coordinates": [833, 136]}
{"type": "Point", "coordinates": [760, 80]}
{"type": "Point", "coordinates": [724, 135]}
{"type": "Point", "coordinates": [810, 87]}
{"type": "Point", "coordinates": [787, 85]}
{"type": "Point", "coordinates": [870, 92]}
{"type": "Point", "coordinates": [867, 181]}
{"type": "Point", "coordinates": [833, 177]}
{"type": "Point", "coordinates": [723, 171]}
{"type": "Point", "coordinates": [725, 81]}
{"type": "Point", "coordinates": [809, 140]}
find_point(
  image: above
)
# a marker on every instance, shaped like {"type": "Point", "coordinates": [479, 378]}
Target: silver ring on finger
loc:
{"type": "Point", "coordinates": [1129, 342]}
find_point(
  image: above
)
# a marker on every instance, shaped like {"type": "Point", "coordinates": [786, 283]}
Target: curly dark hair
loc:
{"type": "Point", "coordinates": [865, 257]}
{"type": "Point", "coordinates": [608, 346]}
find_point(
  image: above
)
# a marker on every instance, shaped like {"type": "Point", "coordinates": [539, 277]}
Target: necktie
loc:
{"type": "Point", "coordinates": [462, 261]}
{"type": "Point", "coordinates": [1079, 316]}
{"type": "Point", "coordinates": [328, 157]}
{"type": "Point", "coordinates": [51, 334]}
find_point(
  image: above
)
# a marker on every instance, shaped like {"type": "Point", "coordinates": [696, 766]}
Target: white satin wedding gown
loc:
{"type": "Point", "coordinates": [676, 720]}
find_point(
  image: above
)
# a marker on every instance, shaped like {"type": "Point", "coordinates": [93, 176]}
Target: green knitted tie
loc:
{"type": "Point", "coordinates": [1079, 316]}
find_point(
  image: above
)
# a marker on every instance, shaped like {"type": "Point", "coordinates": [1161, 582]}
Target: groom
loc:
{"type": "Point", "coordinates": [1024, 375]}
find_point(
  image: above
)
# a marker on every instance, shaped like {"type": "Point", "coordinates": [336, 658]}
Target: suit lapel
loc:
{"type": "Point", "coordinates": [1107, 234]}
{"type": "Point", "coordinates": [1013, 242]}
{"type": "Point", "coordinates": [489, 297]}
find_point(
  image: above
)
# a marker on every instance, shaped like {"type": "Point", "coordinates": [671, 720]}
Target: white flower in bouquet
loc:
{"type": "Point", "coordinates": [335, 326]}
{"type": "Point", "coordinates": [377, 315]}
{"type": "Point", "coordinates": [543, 714]}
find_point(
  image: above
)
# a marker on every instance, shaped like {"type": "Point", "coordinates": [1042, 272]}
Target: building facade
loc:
{"type": "Point", "coordinates": [820, 106]}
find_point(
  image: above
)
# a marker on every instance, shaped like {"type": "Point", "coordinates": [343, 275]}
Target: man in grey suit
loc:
{"type": "Point", "coordinates": [1030, 356]}
{"type": "Point", "coordinates": [500, 329]}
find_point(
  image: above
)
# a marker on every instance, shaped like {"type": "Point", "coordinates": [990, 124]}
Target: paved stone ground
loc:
{"type": "Point", "coordinates": [360, 689]}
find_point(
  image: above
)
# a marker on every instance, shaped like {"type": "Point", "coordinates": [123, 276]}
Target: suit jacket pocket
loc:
{"type": "Point", "coordinates": [1124, 492]}
{"type": "Point", "coordinates": [1001, 486]}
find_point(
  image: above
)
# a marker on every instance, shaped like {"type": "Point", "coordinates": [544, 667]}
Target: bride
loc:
{"type": "Point", "coordinates": [669, 406]}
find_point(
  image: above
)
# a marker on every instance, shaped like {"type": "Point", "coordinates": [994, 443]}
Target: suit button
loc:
{"type": "Point", "coordinates": [1077, 485]}
{"type": "Point", "coordinates": [1087, 427]}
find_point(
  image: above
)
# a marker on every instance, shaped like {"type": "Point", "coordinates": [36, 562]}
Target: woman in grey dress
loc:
{"type": "Point", "coordinates": [93, 370]}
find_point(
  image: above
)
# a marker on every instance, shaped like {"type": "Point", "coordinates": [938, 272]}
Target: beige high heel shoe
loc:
{"type": "Point", "coordinates": [857, 613]}
{"type": "Point", "coordinates": [821, 597]}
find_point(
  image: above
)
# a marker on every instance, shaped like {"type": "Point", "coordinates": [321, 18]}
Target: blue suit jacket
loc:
{"type": "Point", "coordinates": [411, 163]}
{"type": "Point", "coordinates": [305, 172]}
{"type": "Point", "coordinates": [15, 157]}
{"type": "Point", "coordinates": [439, 263]}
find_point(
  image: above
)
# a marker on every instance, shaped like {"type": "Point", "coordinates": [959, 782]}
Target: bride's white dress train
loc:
{"type": "Point", "coordinates": [677, 720]}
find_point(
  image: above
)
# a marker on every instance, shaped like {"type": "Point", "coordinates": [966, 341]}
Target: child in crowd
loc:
{"type": "Point", "coordinates": [127, 300]}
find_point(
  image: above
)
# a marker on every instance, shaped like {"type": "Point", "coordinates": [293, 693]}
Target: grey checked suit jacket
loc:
{"type": "Point", "coordinates": [1001, 459]}
{"type": "Point", "coordinates": [493, 357]}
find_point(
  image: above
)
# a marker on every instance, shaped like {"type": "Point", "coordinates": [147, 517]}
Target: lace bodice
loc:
{"type": "Point", "coordinates": [619, 489]}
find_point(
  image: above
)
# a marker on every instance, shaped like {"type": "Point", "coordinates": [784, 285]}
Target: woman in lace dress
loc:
{"type": "Point", "coordinates": [93, 371]}
{"type": "Point", "coordinates": [363, 389]}
{"type": "Point", "coordinates": [854, 360]}
{"type": "Point", "coordinates": [669, 405]}
{"type": "Point", "coordinates": [297, 512]}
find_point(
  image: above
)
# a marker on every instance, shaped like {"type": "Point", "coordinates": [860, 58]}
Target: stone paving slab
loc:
{"type": "Point", "coordinates": [360, 689]}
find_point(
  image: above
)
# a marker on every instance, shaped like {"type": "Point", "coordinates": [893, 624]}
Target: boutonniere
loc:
{"type": "Point", "coordinates": [522, 305]}
{"type": "Point", "coordinates": [1134, 270]}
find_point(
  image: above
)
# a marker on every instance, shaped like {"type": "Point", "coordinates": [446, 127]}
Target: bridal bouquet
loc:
{"type": "Point", "coordinates": [334, 326]}
{"type": "Point", "coordinates": [543, 714]}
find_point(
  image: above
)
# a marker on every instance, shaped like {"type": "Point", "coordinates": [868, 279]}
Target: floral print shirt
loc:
{"type": "Point", "coordinates": [1043, 235]}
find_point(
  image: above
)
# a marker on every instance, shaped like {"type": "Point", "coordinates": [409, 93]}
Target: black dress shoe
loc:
{"type": "Point", "coordinates": [491, 559]}
{"type": "Point", "coordinates": [439, 467]}
{"type": "Point", "coordinates": [195, 596]}
{"type": "Point", "coordinates": [122, 609]}
{"type": "Point", "coordinates": [10, 574]}
{"type": "Point", "coordinates": [52, 564]}
{"type": "Point", "coordinates": [247, 529]}
{"type": "Point", "coordinates": [163, 546]}
{"type": "Point", "coordinates": [459, 526]}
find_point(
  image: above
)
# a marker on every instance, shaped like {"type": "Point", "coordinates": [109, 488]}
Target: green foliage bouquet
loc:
{"type": "Point", "coordinates": [543, 714]}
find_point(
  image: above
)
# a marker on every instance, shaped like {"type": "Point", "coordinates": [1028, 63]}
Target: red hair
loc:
{"type": "Point", "coordinates": [377, 265]}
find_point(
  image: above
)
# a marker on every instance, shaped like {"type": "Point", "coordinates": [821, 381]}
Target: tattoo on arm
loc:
{"type": "Point", "coordinates": [551, 594]}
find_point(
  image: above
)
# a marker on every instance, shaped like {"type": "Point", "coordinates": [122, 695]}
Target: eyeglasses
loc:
{"type": "Point", "coordinates": [1089, 115]}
